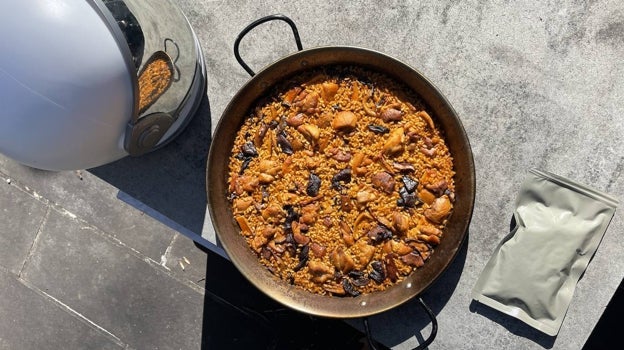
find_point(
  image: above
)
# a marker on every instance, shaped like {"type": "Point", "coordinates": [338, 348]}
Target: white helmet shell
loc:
{"type": "Point", "coordinates": [66, 90]}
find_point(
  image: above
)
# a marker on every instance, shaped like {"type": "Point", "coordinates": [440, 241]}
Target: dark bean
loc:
{"type": "Point", "coordinates": [291, 215]}
{"type": "Point", "coordinates": [303, 257]}
{"type": "Point", "coordinates": [244, 166]}
{"type": "Point", "coordinates": [358, 278]}
{"type": "Point", "coordinates": [343, 175]}
{"type": "Point", "coordinates": [314, 185]}
{"type": "Point", "coordinates": [349, 288]}
{"type": "Point", "coordinates": [378, 129]}
{"type": "Point", "coordinates": [378, 274]}
{"type": "Point", "coordinates": [377, 265]}
{"type": "Point", "coordinates": [356, 274]}
{"type": "Point", "coordinates": [266, 252]}
{"type": "Point", "coordinates": [360, 282]}
{"type": "Point", "coordinates": [284, 144]}
{"type": "Point", "coordinates": [407, 200]}
{"type": "Point", "coordinates": [410, 184]}
{"type": "Point", "coordinates": [249, 150]}
{"type": "Point", "coordinates": [379, 233]}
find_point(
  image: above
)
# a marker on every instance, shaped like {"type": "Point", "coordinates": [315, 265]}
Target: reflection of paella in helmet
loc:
{"type": "Point", "coordinates": [155, 78]}
{"type": "Point", "coordinates": [129, 83]}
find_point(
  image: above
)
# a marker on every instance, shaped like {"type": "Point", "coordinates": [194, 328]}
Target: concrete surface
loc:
{"type": "Point", "coordinates": [536, 85]}
{"type": "Point", "coordinates": [92, 259]}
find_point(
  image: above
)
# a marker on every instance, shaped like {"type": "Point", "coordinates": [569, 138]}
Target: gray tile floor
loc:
{"type": "Point", "coordinates": [67, 282]}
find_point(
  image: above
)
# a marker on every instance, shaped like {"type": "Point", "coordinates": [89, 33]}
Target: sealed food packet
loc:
{"type": "Point", "coordinates": [533, 271]}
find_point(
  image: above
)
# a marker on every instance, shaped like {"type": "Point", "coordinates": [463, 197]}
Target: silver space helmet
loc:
{"type": "Point", "coordinates": [85, 83]}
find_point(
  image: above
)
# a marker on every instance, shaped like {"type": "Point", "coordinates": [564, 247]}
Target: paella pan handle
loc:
{"type": "Point", "coordinates": [425, 344]}
{"type": "Point", "coordinates": [257, 23]}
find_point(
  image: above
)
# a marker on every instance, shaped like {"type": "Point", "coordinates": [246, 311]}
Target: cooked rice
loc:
{"type": "Point", "coordinates": [341, 236]}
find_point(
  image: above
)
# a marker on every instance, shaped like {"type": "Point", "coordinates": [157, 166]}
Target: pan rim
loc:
{"type": "Point", "coordinates": [327, 306]}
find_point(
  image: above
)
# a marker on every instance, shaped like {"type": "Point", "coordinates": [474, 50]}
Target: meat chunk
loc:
{"type": "Point", "coordinates": [439, 210]}
{"type": "Point", "coordinates": [384, 182]}
{"type": "Point", "coordinates": [391, 115]}
{"type": "Point", "coordinates": [344, 121]}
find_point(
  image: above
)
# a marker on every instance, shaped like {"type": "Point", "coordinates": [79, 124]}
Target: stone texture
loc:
{"type": "Point", "coordinates": [186, 261]}
{"type": "Point", "coordinates": [31, 321]}
{"type": "Point", "coordinates": [20, 218]}
{"type": "Point", "coordinates": [85, 195]}
{"type": "Point", "coordinates": [535, 85]}
{"type": "Point", "coordinates": [111, 286]}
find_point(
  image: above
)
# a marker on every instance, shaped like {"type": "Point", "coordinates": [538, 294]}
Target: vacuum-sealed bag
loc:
{"type": "Point", "coordinates": [534, 270]}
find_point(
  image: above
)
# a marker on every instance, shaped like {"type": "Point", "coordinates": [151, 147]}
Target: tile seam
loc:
{"type": "Point", "coordinates": [29, 255]}
{"type": "Point", "coordinates": [105, 235]}
{"type": "Point", "coordinates": [86, 224]}
{"type": "Point", "coordinates": [164, 257]}
{"type": "Point", "coordinates": [66, 308]}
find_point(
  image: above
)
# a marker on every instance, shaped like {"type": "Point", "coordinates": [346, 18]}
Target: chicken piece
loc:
{"type": "Point", "coordinates": [328, 91]}
{"type": "Point", "coordinates": [320, 272]}
{"type": "Point", "coordinates": [344, 121]}
{"type": "Point", "coordinates": [383, 181]}
{"type": "Point", "coordinates": [394, 143]}
{"type": "Point", "coordinates": [439, 210]}
{"type": "Point", "coordinates": [342, 260]}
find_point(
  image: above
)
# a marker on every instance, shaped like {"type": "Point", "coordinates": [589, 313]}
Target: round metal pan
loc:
{"type": "Point", "coordinates": [227, 229]}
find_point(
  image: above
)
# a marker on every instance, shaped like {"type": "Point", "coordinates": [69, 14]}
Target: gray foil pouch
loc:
{"type": "Point", "coordinates": [534, 270]}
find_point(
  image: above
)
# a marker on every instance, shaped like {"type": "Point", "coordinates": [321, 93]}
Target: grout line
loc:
{"type": "Point", "coordinates": [163, 258]}
{"type": "Point", "coordinates": [137, 254]}
{"type": "Point", "coordinates": [85, 224]}
{"type": "Point", "coordinates": [186, 282]}
{"type": "Point", "coordinates": [74, 313]}
{"type": "Point", "coordinates": [110, 238]}
{"type": "Point", "coordinates": [35, 241]}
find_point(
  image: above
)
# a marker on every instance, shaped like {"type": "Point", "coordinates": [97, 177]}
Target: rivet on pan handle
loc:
{"type": "Point", "coordinates": [425, 344]}
{"type": "Point", "coordinates": [255, 24]}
